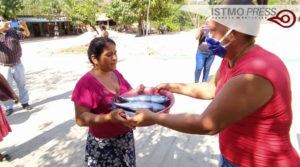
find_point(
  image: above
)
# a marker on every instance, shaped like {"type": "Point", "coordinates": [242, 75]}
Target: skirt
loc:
{"type": "Point", "coordinates": [110, 152]}
{"type": "Point", "coordinates": [4, 126]}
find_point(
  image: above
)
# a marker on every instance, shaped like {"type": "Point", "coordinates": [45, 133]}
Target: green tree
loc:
{"type": "Point", "coordinates": [88, 9]}
{"type": "Point", "coordinates": [123, 12]}
{"type": "Point", "coordinates": [177, 22]}
{"type": "Point", "coordinates": [212, 2]}
{"type": "Point", "coordinates": [283, 2]}
{"type": "Point", "coordinates": [51, 8]}
{"type": "Point", "coordinates": [79, 11]}
{"type": "Point", "coordinates": [31, 7]}
{"type": "Point", "coordinates": [130, 11]}
{"type": "Point", "coordinates": [71, 11]}
{"type": "Point", "coordinates": [9, 8]}
{"type": "Point", "coordinates": [46, 8]}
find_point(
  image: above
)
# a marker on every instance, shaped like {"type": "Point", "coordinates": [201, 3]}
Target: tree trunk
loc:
{"type": "Point", "coordinates": [140, 27]}
{"type": "Point", "coordinates": [141, 24]}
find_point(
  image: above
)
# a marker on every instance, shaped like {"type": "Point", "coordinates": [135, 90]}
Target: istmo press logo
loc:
{"type": "Point", "coordinates": [282, 15]}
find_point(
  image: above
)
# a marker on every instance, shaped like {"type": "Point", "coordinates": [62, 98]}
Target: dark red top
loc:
{"type": "Point", "coordinates": [261, 139]}
{"type": "Point", "coordinates": [90, 93]}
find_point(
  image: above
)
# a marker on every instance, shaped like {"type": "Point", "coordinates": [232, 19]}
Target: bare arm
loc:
{"type": "Point", "coordinates": [84, 117]}
{"type": "Point", "coordinates": [239, 97]}
{"type": "Point", "coordinates": [4, 27]}
{"type": "Point", "coordinates": [204, 90]}
{"type": "Point", "coordinates": [7, 87]}
{"type": "Point", "coordinates": [25, 28]}
{"type": "Point", "coordinates": [198, 33]}
{"type": "Point", "coordinates": [104, 34]}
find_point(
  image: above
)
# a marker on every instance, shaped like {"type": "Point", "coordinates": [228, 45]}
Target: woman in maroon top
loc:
{"type": "Point", "coordinates": [109, 142]}
{"type": "Point", "coordinates": [251, 107]}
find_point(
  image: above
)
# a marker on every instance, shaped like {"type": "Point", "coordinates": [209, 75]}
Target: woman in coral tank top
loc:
{"type": "Point", "coordinates": [251, 107]}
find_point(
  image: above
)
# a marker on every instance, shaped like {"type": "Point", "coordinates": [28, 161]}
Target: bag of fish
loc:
{"type": "Point", "coordinates": [148, 99]}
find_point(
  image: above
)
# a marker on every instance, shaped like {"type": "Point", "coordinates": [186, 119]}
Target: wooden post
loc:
{"type": "Point", "coordinates": [48, 28]}
{"type": "Point", "coordinates": [68, 24]}
{"type": "Point", "coordinates": [41, 29]}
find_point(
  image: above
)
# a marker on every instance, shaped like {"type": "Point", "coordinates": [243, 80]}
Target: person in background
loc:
{"type": "Point", "coordinates": [251, 100]}
{"type": "Point", "coordinates": [109, 142]}
{"type": "Point", "coordinates": [6, 93]}
{"type": "Point", "coordinates": [104, 33]}
{"type": "Point", "coordinates": [94, 32]}
{"type": "Point", "coordinates": [163, 29]}
{"type": "Point", "coordinates": [11, 65]}
{"type": "Point", "coordinates": [204, 58]}
{"type": "Point", "coordinates": [56, 30]}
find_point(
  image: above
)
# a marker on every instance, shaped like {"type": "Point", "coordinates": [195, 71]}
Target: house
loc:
{"type": "Point", "coordinates": [103, 19]}
{"type": "Point", "coordinates": [43, 27]}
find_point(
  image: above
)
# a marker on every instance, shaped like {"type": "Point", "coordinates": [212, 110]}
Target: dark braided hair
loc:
{"type": "Point", "coordinates": [97, 46]}
{"type": "Point", "coordinates": [95, 29]}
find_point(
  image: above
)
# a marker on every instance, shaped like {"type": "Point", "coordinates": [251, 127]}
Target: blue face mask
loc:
{"type": "Point", "coordinates": [215, 46]}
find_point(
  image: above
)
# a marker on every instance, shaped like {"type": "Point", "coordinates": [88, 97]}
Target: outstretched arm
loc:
{"type": "Point", "coordinates": [239, 97]}
{"type": "Point", "coordinates": [204, 90]}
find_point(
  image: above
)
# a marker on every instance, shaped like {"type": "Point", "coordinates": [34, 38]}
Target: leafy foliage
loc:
{"type": "Point", "coordinates": [213, 2]}
{"type": "Point", "coordinates": [9, 8]}
{"type": "Point", "coordinates": [124, 12]}
{"type": "Point", "coordinates": [79, 11]}
{"type": "Point", "coordinates": [283, 2]}
{"type": "Point", "coordinates": [161, 11]}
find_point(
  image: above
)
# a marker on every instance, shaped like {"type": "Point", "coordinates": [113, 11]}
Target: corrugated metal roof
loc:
{"type": "Point", "coordinates": [42, 19]}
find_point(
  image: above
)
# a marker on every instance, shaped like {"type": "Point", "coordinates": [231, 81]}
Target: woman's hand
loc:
{"type": "Point", "coordinates": [23, 24]}
{"type": "Point", "coordinates": [143, 117]}
{"type": "Point", "coordinates": [15, 98]}
{"type": "Point", "coordinates": [5, 26]}
{"type": "Point", "coordinates": [25, 28]}
{"type": "Point", "coordinates": [140, 88]}
{"type": "Point", "coordinates": [117, 117]}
